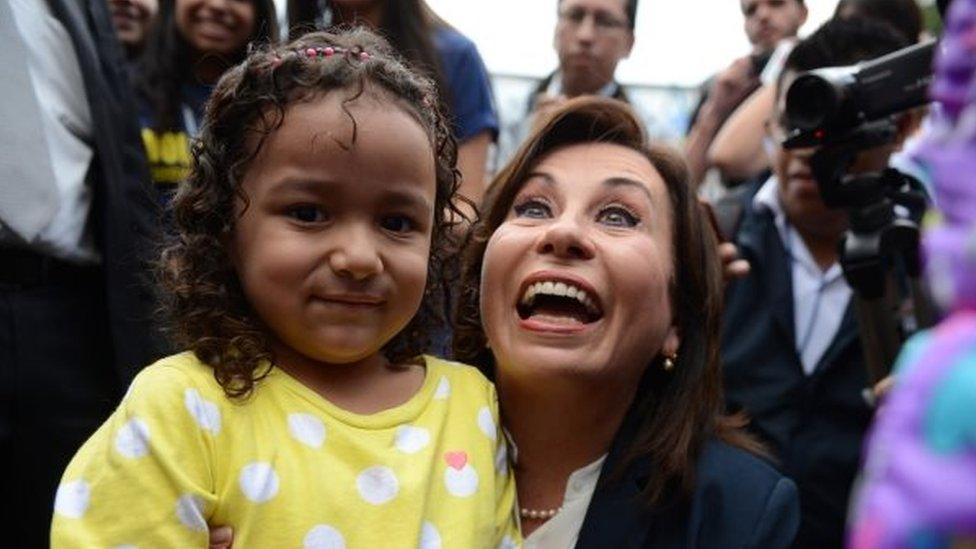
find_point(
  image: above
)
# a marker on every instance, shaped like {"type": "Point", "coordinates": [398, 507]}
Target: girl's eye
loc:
{"type": "Point", "coordinates": [307, 214]}
{"type": "Point", "coordinates": [532, 208]}
{"type": "Point", "coordinates": [616, 216]}
{"type": "Point", "coordinates": [397, 224]}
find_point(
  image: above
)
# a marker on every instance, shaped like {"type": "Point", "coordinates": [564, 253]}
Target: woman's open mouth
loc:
{"type": "Point", "coordinates": [559, 303]}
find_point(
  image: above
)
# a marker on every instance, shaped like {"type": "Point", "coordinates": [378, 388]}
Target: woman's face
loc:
{"type": "Point", "coordinates": [575, 280]}
{"type": "Point", "coordinates": [132, 20]}
{"type": "Point", "coordinates": [216, 26]}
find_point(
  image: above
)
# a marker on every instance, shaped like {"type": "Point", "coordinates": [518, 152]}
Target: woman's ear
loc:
{"type": "Point", "coordinates": [672, 342]}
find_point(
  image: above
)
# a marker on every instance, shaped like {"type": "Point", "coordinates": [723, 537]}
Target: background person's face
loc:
{"type": "Point", "coordinates": [216, 26]}
{"type": "Point", "coordinates": [798, 190]}
{"type": "Point", "coordinates": [132, 20]}
{"type": "Point", "coordinates": [575, 282]}
{"type": "Point", "coordinates": [592, 36]}
{"type": "Point", "coordinates": [769, 21]}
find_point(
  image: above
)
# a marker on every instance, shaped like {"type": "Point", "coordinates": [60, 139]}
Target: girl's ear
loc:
{"type": "Point", "coordinates": [672, 342]}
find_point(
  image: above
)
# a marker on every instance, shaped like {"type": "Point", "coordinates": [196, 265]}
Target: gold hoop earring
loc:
{"type": "Point", "coordinates": [669, 362]}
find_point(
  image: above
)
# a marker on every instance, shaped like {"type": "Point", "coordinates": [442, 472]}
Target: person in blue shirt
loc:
{"type": "Point", "coordinates": [430, 44]}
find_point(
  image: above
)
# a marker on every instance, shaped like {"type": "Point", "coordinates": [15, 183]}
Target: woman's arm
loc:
{"type": "Point", "coordinates": [737, 150]}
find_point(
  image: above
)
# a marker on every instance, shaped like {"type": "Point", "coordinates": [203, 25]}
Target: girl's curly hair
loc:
{"type": "Point", "coordinates": [202, 296]}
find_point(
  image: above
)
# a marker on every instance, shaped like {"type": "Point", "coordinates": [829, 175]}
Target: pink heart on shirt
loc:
{"type": "Point", "coordinates": [457, 460]}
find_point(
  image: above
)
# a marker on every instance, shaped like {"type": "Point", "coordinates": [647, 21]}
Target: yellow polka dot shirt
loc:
{"type": "Point", "coordinates": [286, 468]}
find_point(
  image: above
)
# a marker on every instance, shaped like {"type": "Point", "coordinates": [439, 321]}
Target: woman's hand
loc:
{"type": "Point", "coordinates": [221, 537]}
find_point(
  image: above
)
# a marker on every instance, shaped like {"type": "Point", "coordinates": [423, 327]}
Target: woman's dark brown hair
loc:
{"type": "Point", "coordinates": [678, 409]}
{"type": "Point", "coordinates": [208, 311]}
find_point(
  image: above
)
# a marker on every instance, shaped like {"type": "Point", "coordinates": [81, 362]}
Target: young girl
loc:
{"type": "Point", "coordinates": [190, 46]}
{"type": "Point", "coordinates": [301, 414]}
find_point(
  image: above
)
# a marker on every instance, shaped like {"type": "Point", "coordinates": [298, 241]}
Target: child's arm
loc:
{"type": "Point", "coordinates": [507, 532]}
{"type": "Point", "coordinates": [144, 478]}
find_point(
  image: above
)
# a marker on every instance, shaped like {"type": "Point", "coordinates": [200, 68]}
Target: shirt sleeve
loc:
{"type": "Point", "coordinates": [508, 535]}
{"type": "Point", "coordinates": [144, 478]}
{"type": "Point", "coordinates": [472, 103]}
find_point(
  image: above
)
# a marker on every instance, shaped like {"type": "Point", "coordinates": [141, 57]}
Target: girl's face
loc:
{"type": "Point", "coordinates": [216, 26]}
{"type": "Point", "coordinates": [332, 247]}
{"type": "Point", "coordinates": [575, 280]}
{"type": "Point", "coordinates": [132, 20]}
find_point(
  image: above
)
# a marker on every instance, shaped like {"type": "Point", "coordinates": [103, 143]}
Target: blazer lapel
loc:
{"type": "Point", "coordinates": [760, 243]}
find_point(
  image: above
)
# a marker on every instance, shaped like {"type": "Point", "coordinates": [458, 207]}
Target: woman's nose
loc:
{"type": "Point", "coordinates": [565, 239]}
{"type": "Point", "coordinates": [355, 254]}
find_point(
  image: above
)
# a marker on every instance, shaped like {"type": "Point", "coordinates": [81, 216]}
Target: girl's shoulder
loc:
{"type": "Point", "coordinates": [459, 376]}
{"type": "Point", "coordinates": [174, 377]}
{"type": "Point", "coordinates": [456, 370]}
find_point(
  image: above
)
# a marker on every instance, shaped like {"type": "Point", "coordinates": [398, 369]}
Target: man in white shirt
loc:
{"type": "Point", "coordinates": [790, 349]}
{"type": "Point", "coordinates": [76, 225]}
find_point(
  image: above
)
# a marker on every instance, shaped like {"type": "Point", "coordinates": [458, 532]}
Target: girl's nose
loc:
{"type": "Point", "coordinates": [356, 255]}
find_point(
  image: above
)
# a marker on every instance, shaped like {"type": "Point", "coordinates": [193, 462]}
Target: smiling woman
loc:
{"type": "Point", "coordinates": [192, 43]}
{"type": "Point", "coordinates": [591, 295]}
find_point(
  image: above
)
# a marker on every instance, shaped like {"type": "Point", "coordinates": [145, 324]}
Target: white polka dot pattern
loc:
{"type": "Point", "coordinates": [430, 538]}
{"type": "Point", "coordinates": [132, 440]}
{"type": "Point", "coordinates": [443, 389]}
{"type": "Point", "coordinates": [410, 439]}
{"type": "Point", "coordinates": [377, 485]}
{"type": "Point", "coordinates": [72, 499]}
{"type": "Point", "coordinates": [324, 536]}
{"type": "Point", "coordinates": [486, 423]}
{"type": "Point", "coordinates": [189, 511]}
{"type": "Point", "coordinates": [307, 429]}
{"type": "Point", "coordinates": [259, 482]}
{"type": "Point", "coordinates": [204, 412]}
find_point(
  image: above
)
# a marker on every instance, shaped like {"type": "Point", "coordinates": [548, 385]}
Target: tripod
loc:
{"type": "Point", "coordinates": [879, 253]}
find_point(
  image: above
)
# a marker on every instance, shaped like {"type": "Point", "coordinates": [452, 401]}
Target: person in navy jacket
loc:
{"type": "Point", "coordinates": [791, 349]}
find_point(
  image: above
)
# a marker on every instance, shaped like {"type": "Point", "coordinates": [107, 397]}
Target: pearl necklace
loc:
{"type": "Point", "coordinates": [539, 514]}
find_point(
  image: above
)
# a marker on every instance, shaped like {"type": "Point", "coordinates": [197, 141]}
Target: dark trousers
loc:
{"type": "Point", "coordinates": [57, 384]}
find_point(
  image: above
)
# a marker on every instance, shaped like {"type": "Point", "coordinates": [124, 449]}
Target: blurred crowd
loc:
{"type": "Point", "coordinates": [102, 101]}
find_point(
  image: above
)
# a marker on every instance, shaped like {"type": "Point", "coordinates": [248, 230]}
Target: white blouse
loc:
{"type": "Point", "coordinates": [562, 530]}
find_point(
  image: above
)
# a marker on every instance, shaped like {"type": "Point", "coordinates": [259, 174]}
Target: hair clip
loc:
{"type": "Point", "coordinates": [329, 51]}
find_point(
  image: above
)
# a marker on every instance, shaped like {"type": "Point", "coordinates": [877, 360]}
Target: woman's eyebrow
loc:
{"type": "Point", "coordinates": [627, 182]}
{"type": "Point", "coordinates": [546, 178]}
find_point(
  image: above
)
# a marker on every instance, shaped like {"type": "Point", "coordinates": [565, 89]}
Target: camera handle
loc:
{"type": "Point", "coordinates": [877, 245]}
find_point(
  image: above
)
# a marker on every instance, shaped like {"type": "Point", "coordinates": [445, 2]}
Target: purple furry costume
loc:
{"type": "Point", "coordinates": [920, 474]}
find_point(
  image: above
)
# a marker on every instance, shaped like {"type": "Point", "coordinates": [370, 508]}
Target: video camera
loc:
{"type": "Point", "coordinates": [826, 104]}
{"type": "Point", "coordinates": [842, 111]}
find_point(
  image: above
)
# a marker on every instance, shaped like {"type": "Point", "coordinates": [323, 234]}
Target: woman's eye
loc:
{"type": "Point", "coordinates": [307, 214]}
{"type": "Point", "coordinates": [534, 209]}
{"type": "Point", "coordinates": [617, 217]}
{"type": "Point", "coordinates": [397, 224]}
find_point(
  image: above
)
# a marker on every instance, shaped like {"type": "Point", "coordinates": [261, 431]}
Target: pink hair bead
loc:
{"type": "Point", "coordinates": [310, 52]}
{"type": "Point", "coordinates": [329, 52]}
{"type": "Point", "coordinates": [363, 55]}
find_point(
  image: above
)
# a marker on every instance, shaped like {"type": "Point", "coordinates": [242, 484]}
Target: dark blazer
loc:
{"type": "Point", "coordinates": [739, 501]}
{"type": "Point", "coordinates": [124, 214]}
{"type": "Point", "coordinates": [814, 424]}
